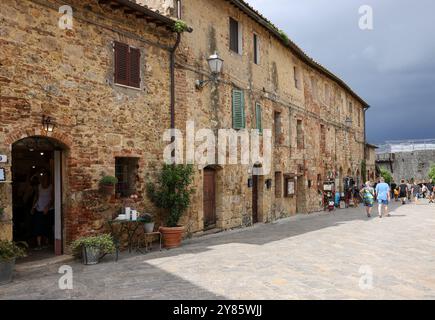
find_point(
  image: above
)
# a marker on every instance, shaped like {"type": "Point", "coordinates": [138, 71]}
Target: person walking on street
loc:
{"type": "Point", "coordinates": [403, 191]}
{"type": "Point", "coordinates": [368, 195]}
{"type": "Point", "coordinates": [415, 190]}
{"type": "Point", "coordinates": [383, 194]}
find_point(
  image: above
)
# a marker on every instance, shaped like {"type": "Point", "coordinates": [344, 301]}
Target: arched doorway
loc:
{"type": "Point", "coordinates": [37, 195]}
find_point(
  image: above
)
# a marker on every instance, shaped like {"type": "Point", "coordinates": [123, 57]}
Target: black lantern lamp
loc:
{"type": "Point", "coordinates": [48, 124]}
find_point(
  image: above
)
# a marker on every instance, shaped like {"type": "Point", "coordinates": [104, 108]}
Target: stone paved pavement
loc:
{"type": "Point", "coordinates": [317, 256]}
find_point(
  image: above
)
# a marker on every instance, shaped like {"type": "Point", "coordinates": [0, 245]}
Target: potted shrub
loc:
{"type": "Point", "coordinates": [147, 219]}
{"type": "Point", "coordinates": [107, 184]}
{"type": "Point", "coordinates": [92, 249]}
{"type": "Point", "coordinates": [9, 251]}
{"type": "Point", "coordinates": [172, 193]}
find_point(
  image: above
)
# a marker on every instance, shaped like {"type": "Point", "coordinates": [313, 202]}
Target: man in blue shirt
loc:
{"type": "Point", "coordinates": [383, 195]}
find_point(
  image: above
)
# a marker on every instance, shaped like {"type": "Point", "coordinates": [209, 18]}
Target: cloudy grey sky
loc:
{"type": "Point", "coordinates": [392, 67]}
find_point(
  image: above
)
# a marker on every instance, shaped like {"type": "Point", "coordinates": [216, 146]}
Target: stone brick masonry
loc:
{"type": "Point", "coordinates": [68, 74]}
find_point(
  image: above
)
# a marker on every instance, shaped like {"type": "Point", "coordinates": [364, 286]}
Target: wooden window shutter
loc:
{"type": "Point", "coordinates": [134, 68]}
{"type": "Point", "coordinates": [121, 63]}
{"type": "Point", "coordinates": [258, 117]}
{"type": "Point", "coordinates": [238, 110]}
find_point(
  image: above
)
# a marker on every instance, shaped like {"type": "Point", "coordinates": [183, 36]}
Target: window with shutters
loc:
{"type": "Point", "coordinates": [258, 117]}
{"type": "Point", "coordinates": [239, 121]}
{"type": "Point", "coordinates": [127, 65]}
{"type": "Point", "coordinates": [235, 36]}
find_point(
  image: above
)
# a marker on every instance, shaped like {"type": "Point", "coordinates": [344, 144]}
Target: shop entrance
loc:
{"type": "Point", "coordinates": [36, 195]}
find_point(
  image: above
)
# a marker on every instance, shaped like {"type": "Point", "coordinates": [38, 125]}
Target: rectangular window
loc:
{"type": "Point", "coordinates": [315, 89]}
{"type": "Point", "coordinates": [359, 118]}
{"type": "Point", "coordinates": [235, 36]}
{"type": "Point", "coordinates": [296, 77]}
{"type": "Point", "coordinates": [126, 171]}
{"type": "Point", "coordinates": [277, 127]}
{"type": "Point", "coordinates": [322, 139]}
{"type": "Point", "coordinates": [239, 120]}
{"type": "Point", "coordinates": [278, 184]}
{"type": "Point", "coordinates": [258, 117]}
{"type": "Point", "coordinates": [327, 94]}
{"type": "Point", "coordinates": [127, 65]}
{"type": "Point", "coordinates": [289, 187]}
{"type": "Point", "coordinates": [350, 110]}
{"type": "Point", "coordinates": [256, 50]}
{"type": "Point", "coordinates": [299, 135]}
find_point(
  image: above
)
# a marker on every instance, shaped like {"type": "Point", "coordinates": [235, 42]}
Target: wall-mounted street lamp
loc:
{"type": "Point", "coordinates": [215, 64]}
{"type": "Point", "coordinates": [48, 124]}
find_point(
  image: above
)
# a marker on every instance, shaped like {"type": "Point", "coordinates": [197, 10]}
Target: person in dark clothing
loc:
{"type": "Point", "coordinates": [403, 191]}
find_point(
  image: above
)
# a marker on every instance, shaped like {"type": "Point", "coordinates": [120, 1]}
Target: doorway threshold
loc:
{"type": "Point", "coordinates": [36, 264]}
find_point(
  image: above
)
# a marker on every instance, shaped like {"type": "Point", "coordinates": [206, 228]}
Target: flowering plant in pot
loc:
{"type": "Point", "coordinates": [107, 184]}
{"type": "Point", "coordinates": [92, 249]}
{"type": "Point", "coordinates": [172, 193]}
{"type": "Point", "coordinates": [9, 251]}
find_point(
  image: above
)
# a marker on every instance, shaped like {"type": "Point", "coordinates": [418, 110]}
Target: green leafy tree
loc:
{"type": "Point", "coordinates": [172, 191]}
{"type": "Point", "coordinates": [386, 175]}
{"type": "Point", "coordinates": [432, 172]}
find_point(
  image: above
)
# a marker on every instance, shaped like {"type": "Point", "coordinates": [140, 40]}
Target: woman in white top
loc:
{"type": "Point", "coordinates": [42, 206]}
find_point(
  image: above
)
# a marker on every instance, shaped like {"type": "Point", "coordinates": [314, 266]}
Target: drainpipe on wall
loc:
{"type": "Point", "coordinates": [172, 76]}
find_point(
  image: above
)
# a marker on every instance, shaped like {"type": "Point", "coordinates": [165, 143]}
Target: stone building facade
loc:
{"type": "Point", "coordinates": [317, 121]}
{"type": "Point", "coordinates": [68, 74]}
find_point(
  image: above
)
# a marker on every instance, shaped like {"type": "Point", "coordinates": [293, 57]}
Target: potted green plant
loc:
{"type": "Point", "coordinates": [107, 184]}
{"type": "Point", "coordinates": [172, 192]}
{"type": "Point", "coordinates": [147, 219]}
{"type": "Point", "coordinates": [93, 249]}
{"type": "Point", "coordinates": [9, 251]}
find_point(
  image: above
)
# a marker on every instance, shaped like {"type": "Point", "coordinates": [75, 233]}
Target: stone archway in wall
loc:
{"type": "Point", "coordinates": [36, 156]}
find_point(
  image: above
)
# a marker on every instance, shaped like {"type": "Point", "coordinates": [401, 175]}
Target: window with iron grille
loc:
{"type": "Point", "coordinates": [127, 65]}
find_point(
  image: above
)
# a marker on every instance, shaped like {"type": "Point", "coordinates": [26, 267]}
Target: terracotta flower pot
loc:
{"type": "Point", "coordinates": [172, 236]}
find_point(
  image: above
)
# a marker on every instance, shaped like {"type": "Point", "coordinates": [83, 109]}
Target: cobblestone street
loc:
{"type": "Point", "coordinates": [318, 256]}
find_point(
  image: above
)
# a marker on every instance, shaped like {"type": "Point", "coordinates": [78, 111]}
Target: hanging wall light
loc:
{"type": "Point", "coordinates": [48, 123]}
{"type": "Point", "coordinates": [215, 64]}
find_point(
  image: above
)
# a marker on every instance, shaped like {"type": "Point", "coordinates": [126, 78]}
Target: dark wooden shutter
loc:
{"type": "Point", "coordinates": [134, 68]}
{"type": "Point", "coordinates": [121, 63]}
{"type": "Point", "coordinates": [234, 35]}
{"type": "Point", "coordinates": [238, 109]}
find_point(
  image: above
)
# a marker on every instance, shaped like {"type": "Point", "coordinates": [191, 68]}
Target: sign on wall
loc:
{"type": "Point", "coordinates": [3, 158]}
{"type": "Point", "coordinates": [2, 174]}
{"type": "Point", "coordinates": [290, 187]}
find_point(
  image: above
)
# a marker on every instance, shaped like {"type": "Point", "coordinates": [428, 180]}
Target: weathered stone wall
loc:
{"type": "Point", "coordinates": [68, 75]}
{"type": "Point", "coordinates": [411, 165]}
{"type": "Point", "coordinates": [271, 84]}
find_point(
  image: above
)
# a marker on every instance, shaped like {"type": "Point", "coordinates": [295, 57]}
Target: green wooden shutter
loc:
{"type": "Point", "coordinates": [238, 110]}
{"type": "Point", "coordinates": [258, 117]}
